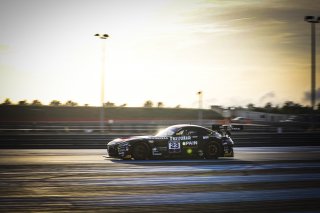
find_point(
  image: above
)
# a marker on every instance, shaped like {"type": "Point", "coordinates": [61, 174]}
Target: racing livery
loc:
{"type": "Point", "coordinates": [175, 141]}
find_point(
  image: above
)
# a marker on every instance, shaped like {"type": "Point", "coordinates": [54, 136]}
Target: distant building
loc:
{"type": "Point", "coordinates": [249, 114]}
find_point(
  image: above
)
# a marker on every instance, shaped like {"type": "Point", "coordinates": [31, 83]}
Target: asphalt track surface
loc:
{"type": "Point", "coordinates": [257, 179]}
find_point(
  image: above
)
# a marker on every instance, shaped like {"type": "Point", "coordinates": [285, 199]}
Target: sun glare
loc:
{"type": "Point", "coordinates": [164, 51]}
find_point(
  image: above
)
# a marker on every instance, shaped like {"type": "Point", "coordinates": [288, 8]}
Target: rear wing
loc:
{"type": "Point", "coordinates": [225, 129]}
{"type": "Point", "coordinates": [233, 127]}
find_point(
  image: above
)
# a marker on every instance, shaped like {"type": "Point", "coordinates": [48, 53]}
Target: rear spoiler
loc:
{"type": "Point", "coordinates": [224, 130]}
{"type": "Point", "coordinates": [233, 127]}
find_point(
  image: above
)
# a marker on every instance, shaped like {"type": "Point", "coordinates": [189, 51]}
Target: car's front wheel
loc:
{"type": "Point", "coordinates": [213, 150]}
{"type": "Point", "coordinates": [140, 152]}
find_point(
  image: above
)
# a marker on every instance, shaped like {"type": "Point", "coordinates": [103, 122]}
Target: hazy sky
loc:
{"type": "Point", "coordinates": [236, 52]}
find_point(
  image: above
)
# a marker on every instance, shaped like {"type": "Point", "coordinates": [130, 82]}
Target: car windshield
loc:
{"type": "Point", "coordinates": [167, 132]}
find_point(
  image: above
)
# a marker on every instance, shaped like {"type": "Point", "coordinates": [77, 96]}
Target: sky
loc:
{"type": "Point", "coordinates": [235, 51]}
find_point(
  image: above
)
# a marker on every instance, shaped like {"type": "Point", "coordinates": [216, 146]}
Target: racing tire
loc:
{"type": "Point", "coordinates": [140, 152]}
{"type": "Point", "coordinates": [212, 150]}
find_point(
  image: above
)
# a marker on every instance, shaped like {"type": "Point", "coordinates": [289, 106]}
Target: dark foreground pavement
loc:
{"type": "Point", "coordinates": [257, 179]}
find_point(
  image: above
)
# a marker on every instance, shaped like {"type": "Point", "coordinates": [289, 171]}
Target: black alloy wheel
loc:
{"type": "Point", "coordinates": [213, 150]}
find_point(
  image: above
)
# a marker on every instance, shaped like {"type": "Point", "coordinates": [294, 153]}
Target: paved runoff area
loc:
{"type": "Point", "coordinates": [257, 179]}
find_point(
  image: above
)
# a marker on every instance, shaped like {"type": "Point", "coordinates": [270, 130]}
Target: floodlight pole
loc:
{"type": "Point", "coordinates": [313, 65]}
{"type": "Point", "coordinates": [200, 115]}
{"type": "Point", "coordinates": [313, 20]}
{"type": "Point", "coordinates": [103, 62]}
{"type": "Point", "coordinates": [200, 99]}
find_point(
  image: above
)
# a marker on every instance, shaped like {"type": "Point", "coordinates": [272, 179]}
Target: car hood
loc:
{"type": "Point", "coordinates": [127, 139]}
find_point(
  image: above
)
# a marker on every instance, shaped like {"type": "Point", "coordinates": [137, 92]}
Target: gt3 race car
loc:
{"type": "Point", "coordinates": [178, 141]}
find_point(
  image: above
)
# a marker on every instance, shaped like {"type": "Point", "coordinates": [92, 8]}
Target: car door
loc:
{"type": "Point", "coordinates": [200, 136]}
{"type": "Point", "coordinates": [159, 146]}
{"type": "Point", "coordinates": [185, 142]}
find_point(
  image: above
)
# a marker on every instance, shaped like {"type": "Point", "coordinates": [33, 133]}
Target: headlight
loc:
{"type": "Point", "coordinates": [124, 144]}
{"type": "Point", "coordinates": [123, 147]}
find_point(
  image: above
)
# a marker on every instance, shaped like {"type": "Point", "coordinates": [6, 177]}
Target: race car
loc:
{"type": "Point", "coordinates": [177, 141]}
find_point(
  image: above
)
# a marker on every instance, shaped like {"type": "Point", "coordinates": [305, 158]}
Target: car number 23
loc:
{"type": "Point", "coordinates": [174, 145]}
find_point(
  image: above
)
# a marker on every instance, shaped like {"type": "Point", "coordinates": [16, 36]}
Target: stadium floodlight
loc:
{"type": "Point", "coordinates": [102, 36]}
{"type": "Point", "coordinates": [313, 20]}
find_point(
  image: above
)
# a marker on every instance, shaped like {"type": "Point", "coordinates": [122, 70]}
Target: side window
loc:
{"type": "Point", "coordinates": [180, 132]}
{"type": "Point", "coordinates": [204, 132]}
{"type": "Point", "coordinates": [187, 132]}
{"type": "Point", "coordinates": [192, 133]}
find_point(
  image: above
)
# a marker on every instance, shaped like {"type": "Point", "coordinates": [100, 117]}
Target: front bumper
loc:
{"type": "Point", "coordinates": [112, 150]}
{"type": "Point", "coordinates": [124, 150]}
{"type": "Point", "coordinates": [121, 150]}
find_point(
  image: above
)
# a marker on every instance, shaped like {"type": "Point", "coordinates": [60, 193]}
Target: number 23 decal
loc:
{"type": "Point", "coordinates": [174, 145]}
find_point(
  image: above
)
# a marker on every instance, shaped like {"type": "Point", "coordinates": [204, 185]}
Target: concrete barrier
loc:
{"type": "Point", "coordinates": [97, 141]}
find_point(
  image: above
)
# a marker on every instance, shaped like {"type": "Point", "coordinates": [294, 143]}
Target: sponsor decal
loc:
{"type": "Point", "coordinates": [156, 152]}
{"type": "Point", "coordinates": [189, 151]}
{"type": "Point", "coordinates": [162, 149]}
{"type": "Point", "coordinates": [159, 138]}
{"type": "Point", "coordinates": [190, 143]}
{"type": "Point", "coordinates": [181, 138]}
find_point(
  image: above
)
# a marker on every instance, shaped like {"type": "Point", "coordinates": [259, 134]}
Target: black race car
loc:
{"type": "Point", "coordinates": [176, 141]}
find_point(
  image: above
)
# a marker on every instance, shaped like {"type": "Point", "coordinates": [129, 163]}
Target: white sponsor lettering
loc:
{"type": "Point", "coordinates": [159, 138]}
{"type": "Point", "coordinates": [190, 143]}
{"type": "Point", "coordinates": [184, 138]}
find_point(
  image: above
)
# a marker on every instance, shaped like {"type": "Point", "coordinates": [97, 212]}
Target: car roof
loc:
{"type": "Point", "coordinates": [188, 125]}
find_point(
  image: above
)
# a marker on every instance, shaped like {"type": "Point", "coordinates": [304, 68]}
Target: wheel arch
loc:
{"type": "Point", "coordinates": [145, 144]}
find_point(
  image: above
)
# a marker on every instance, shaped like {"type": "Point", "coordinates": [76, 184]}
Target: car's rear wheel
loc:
{"type": "Point", "coordinates": [140, 152]}
{"type": "Point", "coordinates": [213, 150]}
